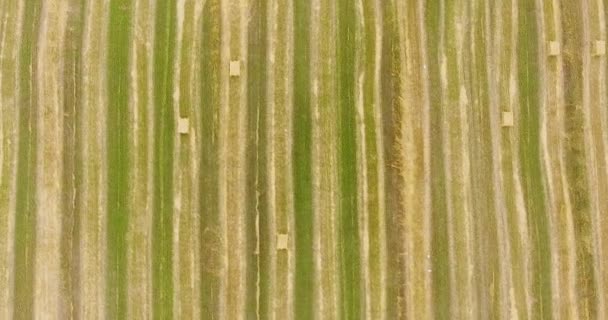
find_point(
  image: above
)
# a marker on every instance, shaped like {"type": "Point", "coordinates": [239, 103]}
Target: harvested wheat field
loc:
{"type": "Point", "coordinates": [303, 159]}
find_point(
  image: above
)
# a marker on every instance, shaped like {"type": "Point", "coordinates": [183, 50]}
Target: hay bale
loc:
{"type": "Point", "coordinates": [554, 48]}
{"type": "Point", "coordinates": [235, 68]}
{"type": "Point", "coordinates": [183, 125]}
{"type": "Point", "coordinates": [507, 119]}
{"type": "Point", "coordinates": [282, 241]}
{"type": "Point", "coordinates": [599, 48]}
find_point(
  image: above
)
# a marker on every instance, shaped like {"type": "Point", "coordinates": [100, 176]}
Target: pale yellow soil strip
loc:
{"type": "Point", "coordinates": [92, 204]}
{"type": "Point", "coordinates": [235, 157]}
{"type": "Point", "coordinates": [289, 218]}
{"type": "Point", "coordinates": [426, 153]}
{"type": "Point", "coordinates": [141, 115]}
{"type": "Point", "coordinates": [315, 69]}
{"type": "Point", "coordinates": [557, 196]}
{"type": "Point", "coordinates": [412, 146]}
{"type": "Point", "coordinates": [271, 153]}
{"type": "Point", "coordinates": [404, 296]}
{"type": "Point", "coordinates": [10, 43]}
{"type": "Point", "coordinates": [361, 160]}
{"type": "Point", "coordinates": [324, 159]}
{"type": "Point", "coordinates": [469, 299]}
{"type": "Point", "coordinates": [379, 307]}
{"type": "Point", "coordinates": [9, 120]}
{"type": "Point", "coordinates": [179, 202]}
{"type": "Point", "coordinates": [505, 304]}
{"type": "Point", "coordinates": [593, 95]}
{"type": "Point", "coordinates": [545, 158]}
{"type": "Point", "coordinates": [601, 222]}
{"type": "Point", "coordinates": [49, 160]}
{"type": "Point", "coordinates": [569, 301]}
{"type": "Point", "coordinates": [280, 133]}
{"type": "Point", "coordinates": [222, 158]}
{"type": "Point", "coordinates": [192, 256]}
{"type": "Point", "coordinates": [280, 98]}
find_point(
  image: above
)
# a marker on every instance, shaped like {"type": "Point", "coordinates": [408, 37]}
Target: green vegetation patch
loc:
{"type": "Point", "coordinates": [118, 155]}
{"type": "Point", "coordinates": [302, 163]}
{"type": "Point", "coordinates": [349, 219]}
{"type": "Point", "coordinates": [25, 220]}
{"type": "Point", "coordinates": [530, 156]}
{"type": "Point", "coordinates": [162, 226]}
{"type": "Point", "coordinates": [209, 167]}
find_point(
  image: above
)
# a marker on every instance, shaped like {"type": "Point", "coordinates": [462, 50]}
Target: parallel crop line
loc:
{"type": "Point", "coordinates": [49, 160]}
{"type": "Point", "coordinates": [600, 234]}
{"type": "Point", "coordinates": [141, 115]}
{"type": "Point", "coordinates": [93, 205]}
{"type": "Point", "coordinates": [565, 70]}
{"type": "Point", "coordinates": [593, 297]}
{"type": "Point", "coordinates": [10, 61]}
{"type": "Point", "coordinates": [519, 208]}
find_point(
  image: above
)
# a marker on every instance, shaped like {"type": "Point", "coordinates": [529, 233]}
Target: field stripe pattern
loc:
{"type": "Point", "coordinates": [318, 159]}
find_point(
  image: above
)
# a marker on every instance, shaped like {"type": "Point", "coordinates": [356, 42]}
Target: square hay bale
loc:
{"type": "Point", "coordinates": [554, 48]}
{"type": "Point", "coordinates": [235, 68]}
{"type": "Point", "coordinates": [507, 119]}
{"type": "Point", "coordinates": [183, 125]}
{"type": "Point", "coordinates": [599, 48]}
{"type": "Point", "coordinates": [282, 241]}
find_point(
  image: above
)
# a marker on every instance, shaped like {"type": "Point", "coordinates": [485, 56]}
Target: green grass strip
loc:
{"type": "Point", "coordinates": [25, 220]}
{"type": "Point", "coordinates": [439, 240]}
{"type": "Point", "coordinates": [162, 229]}
{"type": "Point", "coordinates": [349, 220]}
{"type": "Point", "coordinates": [118, 155]}
{"type": "Point", "coordinates": [210, 106]}
{"type": "Point", "coordinates": [257, 203]}
{"type": "Point", "coordinates": [530, 156]}
{"type": "Point", "coordinates": [302, 163]}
